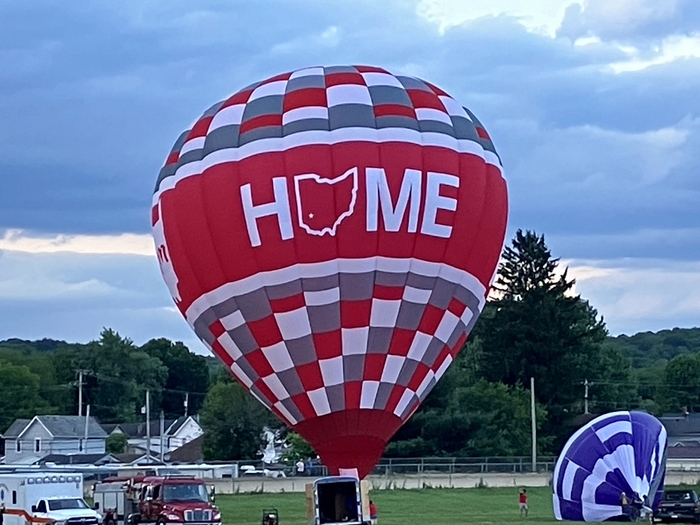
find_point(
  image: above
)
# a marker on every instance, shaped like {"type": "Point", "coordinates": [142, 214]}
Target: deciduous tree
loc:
{"type": "Point", "coordinates": [187, 373]}
{"type": "Point", "coordinates": [19, 394]}
{"type": "Point", "coordinates": [233, 423]}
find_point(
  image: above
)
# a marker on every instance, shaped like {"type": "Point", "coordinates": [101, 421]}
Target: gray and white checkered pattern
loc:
{"type": "Point", "coordinates": [325, 99]}
{"type": "Point", "coordinates": [371, 340]}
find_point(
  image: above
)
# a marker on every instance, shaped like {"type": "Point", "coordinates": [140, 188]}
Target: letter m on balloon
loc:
{"type": "Point", "coordinates": [323, 203]}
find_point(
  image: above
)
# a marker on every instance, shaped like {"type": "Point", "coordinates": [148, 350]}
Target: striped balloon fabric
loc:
{"type": "Point", "coordinates": [331, 235]}
{"type": "Point", "coordinates": [615, 453]}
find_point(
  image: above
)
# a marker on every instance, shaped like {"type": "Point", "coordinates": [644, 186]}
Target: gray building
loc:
{"type": "Point", "coordinates": [683, 429]}
{"type": "Point", "coordinates": [27, 441]}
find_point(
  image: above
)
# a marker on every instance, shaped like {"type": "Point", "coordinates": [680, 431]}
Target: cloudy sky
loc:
{"type": "Point", "coordinates": [593, 106]}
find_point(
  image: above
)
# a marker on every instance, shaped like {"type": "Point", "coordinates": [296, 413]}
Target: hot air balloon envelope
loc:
{"type": "Point", "coordinates": [615, 453]}
{"type": "Point", "coordinates": [331, 235]}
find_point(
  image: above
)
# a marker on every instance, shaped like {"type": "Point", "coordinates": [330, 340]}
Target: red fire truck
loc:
{"type": "Point", "coordinates": [156, 499]}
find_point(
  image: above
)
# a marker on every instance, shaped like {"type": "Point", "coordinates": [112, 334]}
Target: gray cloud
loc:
{"type": "Point", "coordinates": [95, 93]}
{"type": "Point", "coordinates": [635, 21]}
{"type": "Point", "coordinates": [73, 296]}
{"type": "Point", "coordinates": [98, 92]}
{"type": "Point", "coordinates": [636, 295]}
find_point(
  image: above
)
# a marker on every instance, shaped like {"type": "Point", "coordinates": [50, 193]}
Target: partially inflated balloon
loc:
{"type": "Point", "coordinates": [615, 453]}
{"type": "Point", "coordinates": [331, 235]}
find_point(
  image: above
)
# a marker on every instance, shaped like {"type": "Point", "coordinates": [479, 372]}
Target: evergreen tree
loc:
{"type": "Point", "coordinates": [537, 327]}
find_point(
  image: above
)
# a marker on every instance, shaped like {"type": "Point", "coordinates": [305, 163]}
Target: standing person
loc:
{"type": "Point", "coordinates": [523, 503]}
{"type": "Point", "coordinates": [300, 467]}
{"type": "Point", "coordinates": [372, 512]}
{"type": "Point", "coordinates": [637, 506]}
{"type": "Point", "coordinates": [625, 504]}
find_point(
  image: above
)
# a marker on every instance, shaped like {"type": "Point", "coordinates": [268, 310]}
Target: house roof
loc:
{"type": "Point", "coordinates": [58, 426]}
{"type": "Point", "coordinates": [78, 459]}
{"type": "Point", "coordinates": [177, 424]}
{"type": "Point", "coordinates": [188, 453]}
{"type": "Point", "coordinates": [681, 425]}
{"type": "Point", "coordinates": [110, 427]}
{"type": "Point", "coordinates": [16, 428]}
{"type": "Point", "coordinates": [72, 426]}
{"type": "Point", "coordinates": [129, 458]}
{"type": "Point", "coordinates": [138, 430]}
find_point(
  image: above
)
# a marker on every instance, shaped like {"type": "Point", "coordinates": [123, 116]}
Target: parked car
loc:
{"type": "Point", "coordinates": [251, 471]}
{"type": "Point", "coordinates": [678, 505]}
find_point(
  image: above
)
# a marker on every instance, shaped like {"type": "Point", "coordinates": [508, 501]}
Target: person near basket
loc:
{"type": "Point", "coordinates": [373, 512]}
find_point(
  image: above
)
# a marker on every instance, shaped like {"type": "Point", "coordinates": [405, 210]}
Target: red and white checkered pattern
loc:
{"type": "Point", "coordinates": [339, 328]}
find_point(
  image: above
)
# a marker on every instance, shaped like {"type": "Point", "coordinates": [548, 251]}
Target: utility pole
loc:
{"type": "Point", "coordinates": [533, 417]}
{"type": "Point", "coordinates": [187, 402]}
{"type": "Point", "coordinates": [80, 391]}
{"type": "Point", "coordinates": [162, 431]}
{"type": "Point", "coordinates": [87, 433]}
{"type": "Point", "coordinates": [148, 426]}
{"type": "Point", "coordinates": [586, 384]}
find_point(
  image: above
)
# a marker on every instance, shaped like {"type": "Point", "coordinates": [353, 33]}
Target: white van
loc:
{"type": "Point", "coordinates": [45, 497]}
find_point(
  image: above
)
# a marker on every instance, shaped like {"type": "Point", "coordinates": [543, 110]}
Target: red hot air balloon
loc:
{"type": "Point", "coordinates": [331, 234]}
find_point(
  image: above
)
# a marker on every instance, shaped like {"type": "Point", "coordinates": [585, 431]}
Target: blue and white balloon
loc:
{"type": "Point", "coordinates": [614, 453]}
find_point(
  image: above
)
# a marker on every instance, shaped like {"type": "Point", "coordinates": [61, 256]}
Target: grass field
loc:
{"type": "Point", "coordinates": [404, 507]}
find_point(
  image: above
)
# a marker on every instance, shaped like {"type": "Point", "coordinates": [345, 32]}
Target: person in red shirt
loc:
{"type": "Point", "coordinates": [372, 512]}
{"type": "Point", "coordinates": [523, 503]}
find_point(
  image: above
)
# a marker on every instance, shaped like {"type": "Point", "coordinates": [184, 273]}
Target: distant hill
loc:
{"type": "Point", "coordinates": [42, 345]}
{"type": "Point", "coordinates": [657, 348]}
{"type": "Point", "coordinates": [49, 345]}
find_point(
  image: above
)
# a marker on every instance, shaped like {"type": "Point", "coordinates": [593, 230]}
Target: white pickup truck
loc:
{"type": "Point", "coordinates": [66, 511]}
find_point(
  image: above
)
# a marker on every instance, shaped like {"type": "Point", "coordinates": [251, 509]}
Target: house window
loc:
{"type": "Point", "coordinates": [19, 446]}
{"type": "Point", "coordinates": [14, 497]}
{"type": "Point", "coordinates": [37, 445]}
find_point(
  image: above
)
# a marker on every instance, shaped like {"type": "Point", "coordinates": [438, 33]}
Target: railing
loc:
{"type": "Point", "coordinates": [392, 466]}
{"type": "Point", "coordinates": [418, 466]}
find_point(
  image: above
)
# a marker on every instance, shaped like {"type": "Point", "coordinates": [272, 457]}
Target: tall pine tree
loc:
{"type": "Point", "coordinates": [537, 327]}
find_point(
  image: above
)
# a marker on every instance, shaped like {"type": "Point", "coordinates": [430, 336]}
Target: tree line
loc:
{"type": "Point", "coordinates": [533, 326]}
{"type": "Point", "coordinates": [43, 377]}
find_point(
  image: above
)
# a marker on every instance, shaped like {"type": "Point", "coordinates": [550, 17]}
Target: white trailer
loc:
{"type": "Point", "coordinates": [338, 500]}
{"type": "Point", "coordinates": [37, 497]}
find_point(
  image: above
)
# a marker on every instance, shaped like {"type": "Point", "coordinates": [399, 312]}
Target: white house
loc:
{"type": "Point", "coordinates": [176, 433]}
{"type": "Point", "coordinates": [29, 440]}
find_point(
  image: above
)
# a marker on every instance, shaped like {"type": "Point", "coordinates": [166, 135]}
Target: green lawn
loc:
{"type": "Point", "coordinates": [404, 507]}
